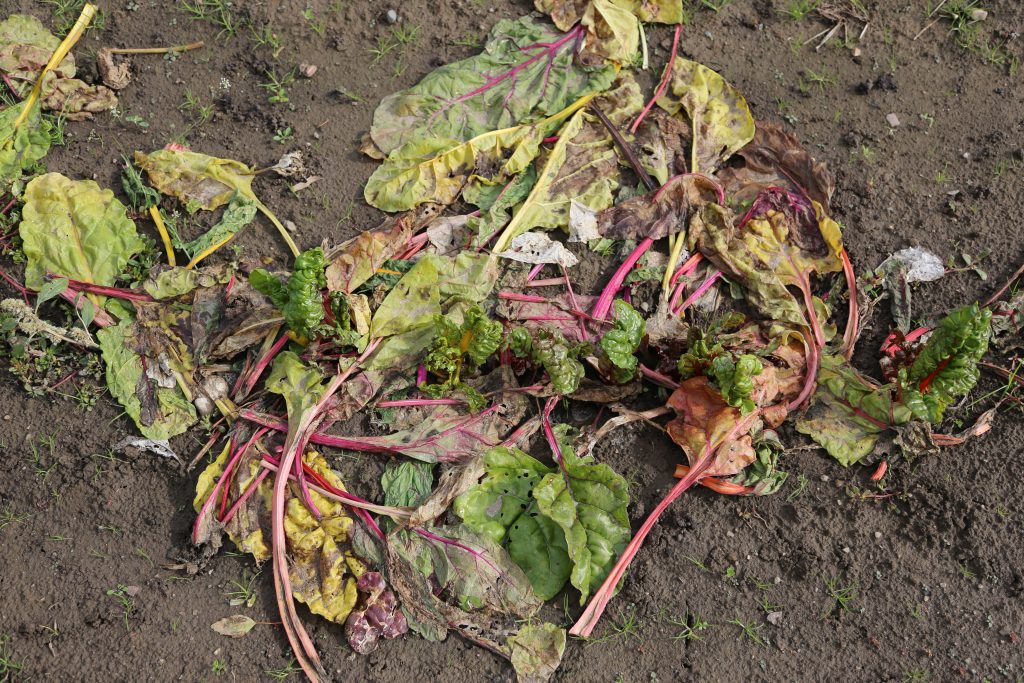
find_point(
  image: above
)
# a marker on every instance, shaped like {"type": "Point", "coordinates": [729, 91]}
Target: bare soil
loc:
{"type": "Point", "coordinates": [934, 571]}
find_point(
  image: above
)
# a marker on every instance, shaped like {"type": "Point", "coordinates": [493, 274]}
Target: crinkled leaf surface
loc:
{"type": "Point", "coordinates": [659, 214]}
{"type": "Point", "coordinates": [582, 165]}
{"type": "Point", "coordinates": [526, 72]}
{"type": "Point", "coordinates": [718, 114]}
{"type": "Point", "coordinates": [706, 423]}
{"type": "Point", "coordinates": [241, 211]}
{"type": "Point", "coordinates": [21, 146]}
{"type": "Point", "coordinates": [947, 367]}
{"type": "Point", "coordinates": [502, 508]}
{"type": "Point", "coordinates": [622, 340]}
{"type": "Point", "coordinates": [589, 502]}
{"type": "Point", "coordinates": [407, 484]}
{"type": "Point", "coordinates": [74, 228]}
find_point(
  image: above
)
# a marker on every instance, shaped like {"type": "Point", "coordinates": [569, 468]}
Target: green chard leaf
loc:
{"type": "Point", "coordinates": [299, 384]}
{"type": "Point", "coordinates": [21, 145]}
{"type": "Point", "coordinates": [241, 211]}
{"type": "Point", "coordinates": [75, 229]}
{"type": "Point", "coordinates": [551, 351]}
{"type": "Point", "coordinates": [407, 484]}
{"type": "Point", "coordinates": [947, 367]}
{"type": "Point", "coordinates": [735, 379]}
{"type": "Point", "coordinates": [524, 74]}
{"type": "Point", "coordinates": [299, 299]}
{"type": "Point", "coordinates": [589, 502]}
{"type": "Point", "coordinates": [621, 342]}
{"type": "Point", "coordinates": [501, 508]}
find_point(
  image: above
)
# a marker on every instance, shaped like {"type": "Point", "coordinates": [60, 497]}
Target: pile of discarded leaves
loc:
{"type": "Point", "coordinates": [464, 331]}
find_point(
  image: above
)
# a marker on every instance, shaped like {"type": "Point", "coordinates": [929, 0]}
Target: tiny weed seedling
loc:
{"type": "Point", "coordinates": [798, 490]}
{"type": "Point", "coordinates": [696, 563]}
{"type": "Point", "coordinates": [715, 5]}
{"type": "Point", "coordinates": [9, 667]}
{"type": "Point", "coordinates": [691, 626]}
{"type": "Point", "coordinates": [216, 12]}
{"type": "Point", "coordinates": [768, 607]}
{"type": "Point", "coordinates": [965, 571]}
{"type": "Point", "coordinates": [318, 26]}
{"type": "Point", "coordinates": [749, 630]}
{"type": "Point", "coordinates": [66, 12]}
{"type": "Point", "coordinates": [197, 112]}
{"type": "Point", "coordinates": [385, 46]}
{"type": "Point", "coordinates": [406, 35]}
{"type": "Point", "coordinates": [916, 674]}
{"type": "Point", "coordinates": [265, 37]}
{"type": "Point", "coordinates": [287, 671]}
{"type": "Point", "coordinates": [627, 626]}
{"type": "Point", "coordinates": [277, 86]}
{"type": "Point", "coordinates": [219, 667]}
{"type": "Point", "coordinates": [841, 596]}
{"type": "Point", "coordinates": [243, 591]}
{"type": "Point", "coordinates": [799, 9]}
{"type": "Point", "coordinates": [125, 601]}
{"type": "Point", "coordinates": [283, 135]}
{"type": "Point", "coordinates": [8, 517]}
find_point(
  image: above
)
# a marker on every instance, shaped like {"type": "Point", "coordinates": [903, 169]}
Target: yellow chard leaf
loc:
{"type": "Point", "coordinates": [74, 228]}
{"type": "Point", "coordinates": [613, 33]}
{"type": "Point", "coordinates": [718, 114]}
{"type": "Point", "coordinates": [205, 182]}
{"type": "Point", "coordinates": [566, 13]}
{"type": "Point", "coordinates": [436, 170]}
{"type": "Point", "coordinates": [583, 165]}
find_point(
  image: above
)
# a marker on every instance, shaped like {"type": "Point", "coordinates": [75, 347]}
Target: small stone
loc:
{"type": "Point", "coordinates": [7, 417]}
{"type": "Point", "coordinates": [857, 54]}
{"type": "Point", "coordinates": [290, 226]}
{"type": "Point", "coordinates": [892, 120]}
{"type": "Point", "coordinates": [774, 618]}
{"type": "Point", "coordinates": [391, 16]}
{"type": "Point", "coordinates": [979, 15]}
{"type": "Point", "coordinates": [846, 550]}
{"type": "Point", "coordinates": [878, 534]}
{"type": "Point", "coordinates": [777, 580]}
{"type": "Point", "coordinates": [307, 70]}
{"type": "Point", "coordinates": [825, 477]}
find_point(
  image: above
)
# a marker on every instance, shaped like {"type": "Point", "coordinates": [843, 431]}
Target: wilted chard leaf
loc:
{"type": "Point", "coordinates": [23, 138]}
{"type": "Point", "coordinates": [718, 115]}
{"type": "Point", "coordinates": [525, 73]}
{"type": "Point", "coordinates": [204, 182]}
{"type": "Point", "coordinates": [25, 49]}
{"type": "Point", "coordinates": [612, 26]}
{"type": "Point", "coordinates": [322, 567]}
{"type": "Point", "coordinates": [582, 165]}
{"type": "Point", "coordinates": [75, 229]}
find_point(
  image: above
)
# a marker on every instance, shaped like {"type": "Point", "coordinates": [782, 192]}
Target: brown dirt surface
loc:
{"type": "Point", "coordinates": [933, 574]}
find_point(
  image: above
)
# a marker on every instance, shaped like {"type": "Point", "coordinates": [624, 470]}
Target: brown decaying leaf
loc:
{"type": "Point", "coordinates": [235, 626]}
{"type": "Point", "coordinates": [659, 214]}
{"type": "Point", "coordinates": [116, 75]}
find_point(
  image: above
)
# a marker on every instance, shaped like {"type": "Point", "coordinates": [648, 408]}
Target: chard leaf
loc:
{"type": "Point", "coordinates": [241, 211]}
{"type": "Point", "coordinates": [25, 49]}
{"type": "Point", "coordinates": [621, 342]}
{"type": "Point", "coordinates": [719, 118]}
{"type": "Point", "coordinates": [437, 170]}
{"type": "Point", "coordinates": [735, 378]}
{"type": "Point", "coordinates": [321, 565]}
{"type": "Point", "coordinates": [75, 229]}
{"type": "Point", "coordinates": [407, 484]}
{"type": "Point", "coordinates": [947, 367]}
{"type": "Point", "coordinates": [476, 338]}
{"type": "Point", "coordinates": [357, 261]}
{"type": "Point", "coordinates": [23, 145]}
{"type": "Point", "coordinates": [551, 351]}
{"type": "Point", "coordinates": [235, 626]}
{"type": "Point", "coordinates": [159, 411]}
{"type": "Point", "coordinates": [849, 411]}
{"type": "Point", "coordinates": [566, 13]}
{"type": "Point", "coordinates": [200, 181]}
{"type": "Point", "coordinates": [299, 384]}
{"type": "Point", "coordinates": [582, 165]}
{"type": "Point", "coordinates": [707, 424]}
{"type": "Point", "coordinates": [536, 652]}
{"type": "Point", "coordinates": [501, 508]}
{"type": "Point", "coordinates": [433, 285]}
{"type": "Point", "coordinates": [524, 74]}
{"type": "Point", "coordinates": [299, 299]}
{"type": "Point", "coordinates": [763, 475]}
{"type": "Point", "coordinates": [589, 502]}
{"type": "Point", "coordinates": [780, 247]}
{"type": "Point", "coordinates": [196, 180]}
